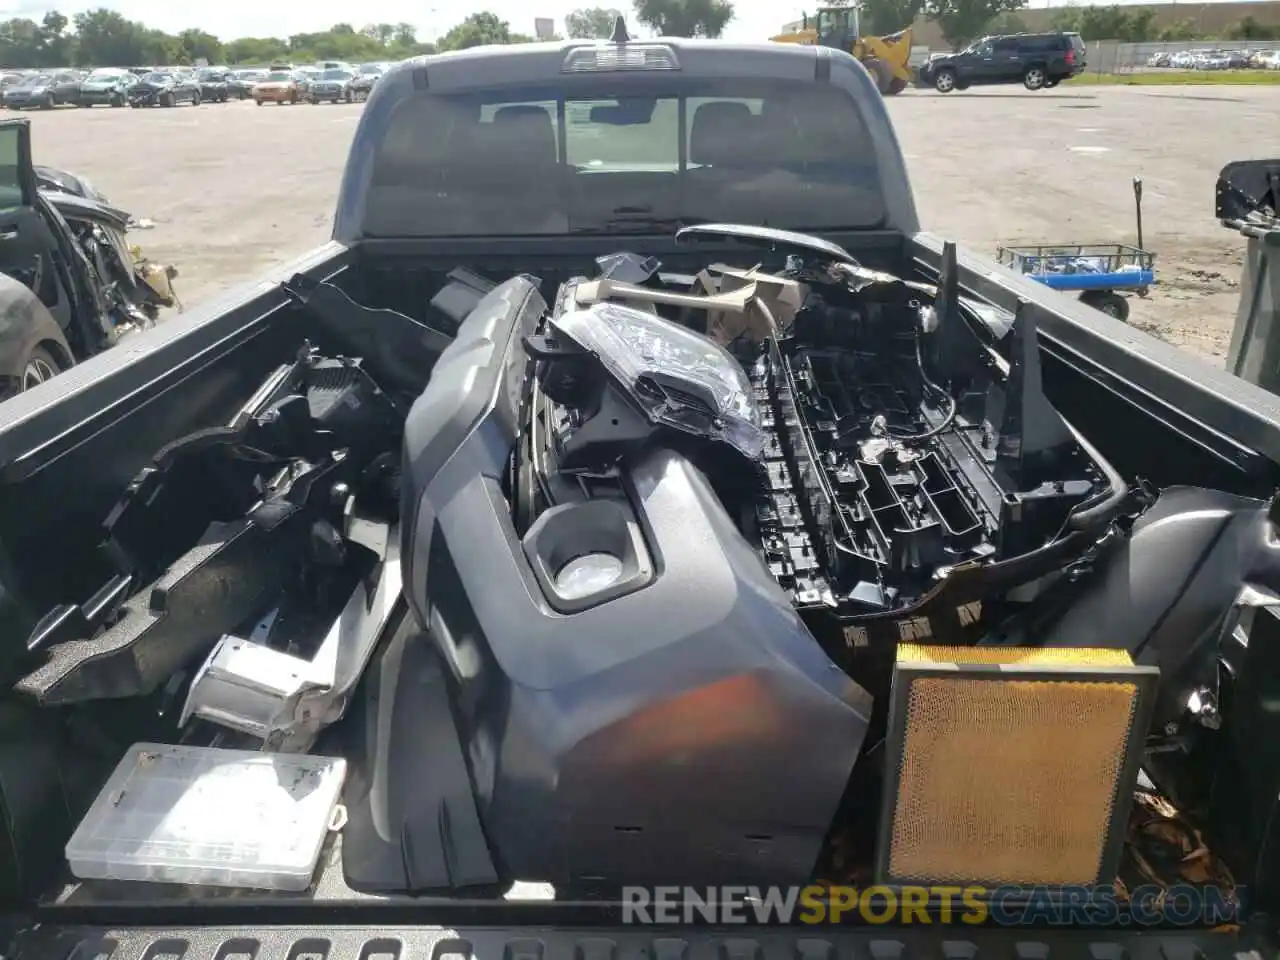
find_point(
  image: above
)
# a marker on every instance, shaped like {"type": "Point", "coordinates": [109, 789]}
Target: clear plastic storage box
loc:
{"type": "Point", "coordinates": [198, 815]}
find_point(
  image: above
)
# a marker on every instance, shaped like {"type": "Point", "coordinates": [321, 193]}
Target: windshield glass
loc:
{"type": "Point", "coordinates": [158, 77]}
{"type": "Point", "coordinates": [335, 75]}
{"type": "Point", "coordinates": [369, 68]}
{"type": "Point", "coordinates": [785, 154]}
{"type": "Point", "coordinates": [40, 81]}
{"type": "Point", "coordinates": [105, 75]}
{"type": "Point", "coordinates": [278, 77]}
{"type": "Point", "coordinates": [210, 74]}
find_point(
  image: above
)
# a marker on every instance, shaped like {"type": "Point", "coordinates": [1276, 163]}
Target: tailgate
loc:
{"type": "Point", "coordinates": [537, 942]}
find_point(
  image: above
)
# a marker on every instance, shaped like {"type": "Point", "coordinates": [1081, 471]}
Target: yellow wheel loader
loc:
{"type": "Point", "coordinates": [887, 58]}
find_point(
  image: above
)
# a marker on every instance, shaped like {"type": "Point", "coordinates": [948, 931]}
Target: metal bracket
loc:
{"type": "Point", "coordinates": [286, 701]}
{"type": "Point", "coordinates": [1255, 341]}
{"type": "Point", "coordinates": [1246, 200]}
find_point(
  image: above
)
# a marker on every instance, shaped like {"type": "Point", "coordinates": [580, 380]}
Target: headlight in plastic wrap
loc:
{"type": "Point", "coordinates": [681, 378]}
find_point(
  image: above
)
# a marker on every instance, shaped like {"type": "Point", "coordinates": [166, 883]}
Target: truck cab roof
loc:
{"type": "Point", "coordinates": [663, 132]}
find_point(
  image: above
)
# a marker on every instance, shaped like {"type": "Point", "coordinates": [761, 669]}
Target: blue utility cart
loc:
{"type": "Point", "coordinates": [1099, 271]}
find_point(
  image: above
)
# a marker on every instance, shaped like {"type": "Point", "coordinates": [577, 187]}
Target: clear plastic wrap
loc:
{"type": "Point", "coordinates": [648, 355]}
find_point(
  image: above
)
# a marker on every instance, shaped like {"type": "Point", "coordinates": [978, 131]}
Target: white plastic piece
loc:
{"type": "Point", "coordinates": [526, 890]}
{"type": "Point", "coordinates": [209, 817]}
{"type": "Point", "coordinates": [284, 700]}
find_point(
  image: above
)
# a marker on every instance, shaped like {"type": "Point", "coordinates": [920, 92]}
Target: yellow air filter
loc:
{"type": "Point", "coordinates": [1011, 765]}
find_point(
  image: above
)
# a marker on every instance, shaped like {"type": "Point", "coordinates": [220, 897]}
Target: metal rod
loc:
{"type": "Point", "coordinates": [1137, 200]}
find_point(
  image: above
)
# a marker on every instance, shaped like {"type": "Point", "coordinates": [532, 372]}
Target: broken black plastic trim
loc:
{"type": "Point", "coordinates": [402, 349]}
{"type": "Point", "coordinates": [1248, 188]}
{"type": "Point", "coordinates": [226, 578]}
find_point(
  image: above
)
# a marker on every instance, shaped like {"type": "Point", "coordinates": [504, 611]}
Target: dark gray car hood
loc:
{"type": "Point", "coordinates": [73, 207]}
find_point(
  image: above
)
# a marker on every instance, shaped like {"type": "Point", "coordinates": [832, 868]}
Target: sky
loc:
{"type": "Point", "coordinates": [229, 19]}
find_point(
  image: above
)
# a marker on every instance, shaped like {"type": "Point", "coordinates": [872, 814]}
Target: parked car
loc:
{"type": "Point", "coordinates": [214, 84]}
{"type": "Point", "coordinates": [108, 85]}
{"type": "Point", "coordinates": [1036, 60]}
{"type": "Point", "coordinates": [332, 86]}
{"type": "Point", "coordinates": [1211, 59]}
{"type": "Point", "coordinates": [21, 93]}
{"type": "Point", "coordinates": [165, 89]}
{"type": "Point", "coordinates": [44, 90]}
{"type": "Point", "coordinates": [307, 76]}
{"type": "Point", "coordinates": [367, 75]}
{"type": "Point", "coordinates": [241, 82]}
{"type": "Point", "coordinates": [279, 86]}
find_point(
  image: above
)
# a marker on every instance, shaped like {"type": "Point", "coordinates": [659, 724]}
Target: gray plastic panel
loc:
{"type": "Point", "coordinates": [541, 943]}
{"type": "Point", "coordinates": [477, 377]}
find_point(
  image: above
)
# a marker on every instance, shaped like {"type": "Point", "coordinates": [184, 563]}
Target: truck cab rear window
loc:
{"type": "Point", "coordinates": [786, 154]}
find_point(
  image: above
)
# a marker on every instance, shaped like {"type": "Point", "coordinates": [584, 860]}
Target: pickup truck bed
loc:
{"type": "Point", "coordinates": [595, 943]}
{"type": "Point", "coordinates": [68, 450]}
{"type": "Point", "coordinates": [569, 941]}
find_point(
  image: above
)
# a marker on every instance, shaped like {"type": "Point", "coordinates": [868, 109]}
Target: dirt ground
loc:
{"type": "Point", "coordinates": [234, 188]}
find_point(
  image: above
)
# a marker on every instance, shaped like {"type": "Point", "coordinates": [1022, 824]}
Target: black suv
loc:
{"type": "Point", "coordinates": [1036, 60]}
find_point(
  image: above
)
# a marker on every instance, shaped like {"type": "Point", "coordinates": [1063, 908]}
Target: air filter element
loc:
{"type": "Point", "coordinates": [1011, 765]}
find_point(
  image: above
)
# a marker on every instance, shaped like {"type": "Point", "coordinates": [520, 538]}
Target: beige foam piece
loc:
{"type": "Point", "coordinates": [748, 302]}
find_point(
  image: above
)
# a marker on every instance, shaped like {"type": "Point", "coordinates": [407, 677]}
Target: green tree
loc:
{"type": "Point", "coordinates": [1108, 23]}
{"type": "Point", "coordinates": [339, 42]}
{"type": "Point", "coordinates": [963, 20]}
{"type": "Point", "coordinates": [1182, 30]}
{"type": "Point", "coordinates": [258, 50]}
{"type": "Point", "coordinates": [105, 38]}
{"type": "Point", "coordinates": [1006, 23]}
{"type": "Point", "coordinates": [26, 43]}
{"type": "Point", "coordinates": [1250, 29]}
{"type": "Point", "coordinates": [1102, 23]}
{"type": "Point", "coordinates": [198, 45]}
{"type": "Point", "coordinates": [159, 47]}
{"type": "Point", "coordinates": [1066, 19]}
{"type": "Point", "coordinates": [879, 17]}
{"type": "Point", "coordinates": [591, 23]}
{"type": "Point", "coordinates": [1135, 25]}
{"type": "Point", "coordinates": [685, 18]}
{"type": "Point", "coordinates": [18, 43]}
{"type": "Point", "coordinates": [1142, 25]}
{"type": "Point", "coordinates": [477, 30]}
{"type": "Point", "coordinates": [57, 47]}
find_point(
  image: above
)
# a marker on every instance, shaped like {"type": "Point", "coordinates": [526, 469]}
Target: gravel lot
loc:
{"type": "Point", "coordinates": [1007, 166]}
{"type": "Point", "coordinates": [234, 188]}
